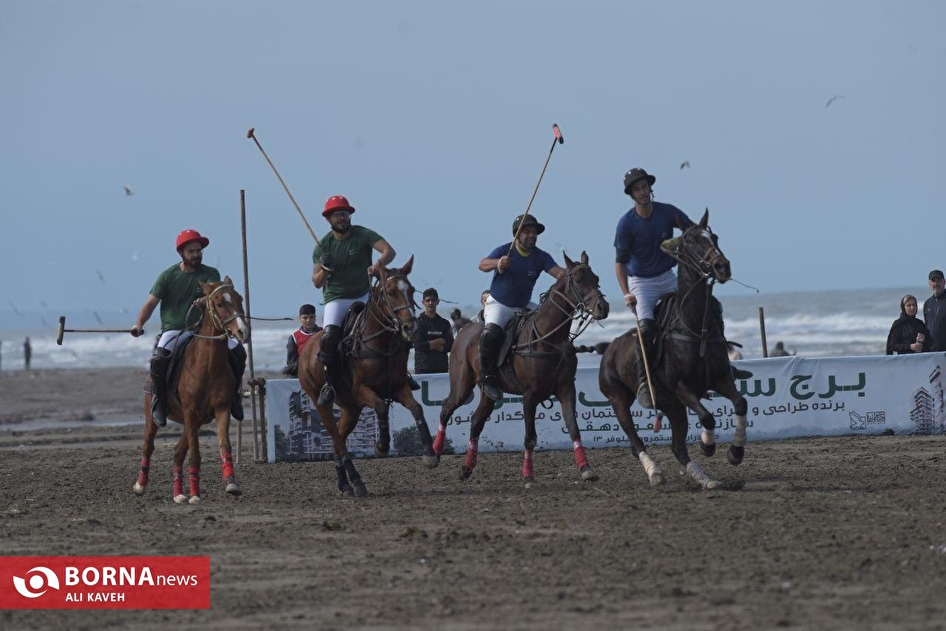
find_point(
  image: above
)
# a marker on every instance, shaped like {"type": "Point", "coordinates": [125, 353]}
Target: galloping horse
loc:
{"type": "Point", "coordinates": [373, 371]}
{"type": "Point", "coordinates": [694, 360]}
{"type": "Point", "coordinates": [543, 363]}
{"type": "Point", "coordinates": [204, 392]}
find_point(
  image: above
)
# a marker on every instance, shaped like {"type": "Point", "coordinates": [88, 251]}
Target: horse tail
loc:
{"type": "Point", "coordinates": [599, 348]}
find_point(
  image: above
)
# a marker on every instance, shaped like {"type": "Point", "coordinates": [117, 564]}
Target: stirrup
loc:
{"type": "Point", "coordinates": [236, 406]}
{"type": "Point", "coordinates": [739, 373]}
{"type": "Point", "coordinates": [490, 389]}
{"type": "Point", "coordinates": [643, 396]}
{"type": "Point", "coordinates": [413, 383]}
{"type": "Point", "coordinates": [158, 413]}
{"type": "Point", "coordinates": [326, 395]}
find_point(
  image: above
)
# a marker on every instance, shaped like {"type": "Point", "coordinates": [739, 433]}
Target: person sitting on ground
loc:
{"type": "Point", "coordinates": [908, 334]}
{"type": "Point", "coordinates": [779, 350]}
{"type": "Point", "coordinates": [299, 337]}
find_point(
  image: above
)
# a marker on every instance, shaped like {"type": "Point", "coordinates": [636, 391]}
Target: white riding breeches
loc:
{"type": "Point", "coordinates": [649, 290]}
{"type": "Point", "coordinates": [495, 312]}
{"type": "Point", "coordinates": [336, 310]}
{"type": "Point", "coordinates": [169, 339]}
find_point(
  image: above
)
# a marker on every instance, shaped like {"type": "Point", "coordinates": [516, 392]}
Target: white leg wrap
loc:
{"type": "Point", "coordinates": [698, 474]}
{"type": "Point", "coordinates": [739, 440]}
{"type": "Point", "coordinates": [650, 467]}
{"type": "Point", "coordinates": [708, 437]}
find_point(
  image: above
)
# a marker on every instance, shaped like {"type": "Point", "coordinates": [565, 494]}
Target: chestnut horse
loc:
{"type": "Point", "coordinates": [373, 372]}
{"type": "Point", "coordinates": [204, 392]}
{"type": "Point", "coordinates": [542, 363]}
{"type": "Point", "coordinates": [694, 360]}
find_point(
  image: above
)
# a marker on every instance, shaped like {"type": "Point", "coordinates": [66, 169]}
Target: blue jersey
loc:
{"type": "Point", "coordinates": [639, 239]}
{"type": "Point", "coordinates": [513, 287]}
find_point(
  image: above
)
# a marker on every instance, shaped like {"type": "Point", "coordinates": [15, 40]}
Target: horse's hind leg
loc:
{"type": "Point", "coordinates": [528, 414]}
{"type": "Point", "coordinates": [226, 457]}
{"type": "Point", "coordinates": [192, 431]}
{"type": "Point", "coordinates": [737, 450]}
{"type": "Point", "coordinates": [477, 422]}
{"type": "Point", "coordinates": [459, 393]}
{"type": "Point", "coordinates": [147, 449]}
{"type": "Point", "coordinates": [405, 398]}
{"type": "Point", "coordinates": [566, 397]}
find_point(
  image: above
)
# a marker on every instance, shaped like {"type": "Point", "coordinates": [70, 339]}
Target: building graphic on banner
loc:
{"type": "Point", "coordinates": [939, 405]}
{"type": "Point", "coordinates": [922, 412]}
{"type": "Point", "coordinates": [304, 438]}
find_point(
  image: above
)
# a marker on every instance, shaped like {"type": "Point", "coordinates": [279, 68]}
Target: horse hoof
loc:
{"type": "Point", "coordinates": [361, 490]}
{"type": "Point", "coordinates": [381, 451]}
{"type": "Point", "coordinates": [657, 479]}
{"type": "Point", "coordinates": [735, 455]}
{"type": "Point", "coordinates": [712, 484]}
{"type": "Point", "coordinates": [195, 499]}
{"type": "Point", "coordinates": [465, 472]}
{"type": "Point", "coordinates": [180, 499]}
{"type": "Point", "coordinates": [234, 489]}
{"type": "Point", "coordinates": [139, 489]}
{"type": "Point", "coordinates": [431, 462]}
{"type": "Point", "coordinates": [708, 450]}
{"type": "Point", "coordinates": [588, 475]}
{"type": "Point", "coordinates": [347, 491]}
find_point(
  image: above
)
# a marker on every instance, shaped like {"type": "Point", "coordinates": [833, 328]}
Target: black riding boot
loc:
{"type": "Point", "coordinates": [328, 355]}
{"type": "Point", "coordinates": [237, 359]}
{"type": "Point", "coordinates": [649, 334]}
{"type": "Point", "coordinates": [490, 341]}
{"type": "Point", "coordinates": [159, 386]}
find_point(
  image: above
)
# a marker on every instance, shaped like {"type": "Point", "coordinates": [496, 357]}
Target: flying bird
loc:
{"type": "Point", "coordinates": [98, 317]}
{"type": "Point", "coordinates": [128, 191]}
{"type": "Point", "coordinates": [16, 309]}
{"type": "Point", "coordinates": [101, 276]}
{"type": "Point", "coordinates": [833, 99]}
{"type": "Point", "coordinates": [685, 165]}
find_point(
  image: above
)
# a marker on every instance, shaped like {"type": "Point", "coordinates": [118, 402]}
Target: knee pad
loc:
{"type": "Point", "coordinates": [331, 335]}
{"type": "Point", "coordinates": [492, 335]}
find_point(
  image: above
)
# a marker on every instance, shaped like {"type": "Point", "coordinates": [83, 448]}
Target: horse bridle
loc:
{"type": "Point", "coordinates": [578, 307]}
{"type": "Point", "coordinates": [703, 265]}
{"type": "Point", "coordinates": [215, 320]}
{"type": "Point", "coordinates": [389, 323]}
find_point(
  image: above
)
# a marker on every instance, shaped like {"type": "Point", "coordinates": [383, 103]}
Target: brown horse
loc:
{"type": "Point", "coordinates": [204, 392]}
{"type": "Point", "coordinates": [373, 372]}
{"type": "Point", "coordinates": [694, 360]}
{"type": "Point", "coordinates": [543, 363]}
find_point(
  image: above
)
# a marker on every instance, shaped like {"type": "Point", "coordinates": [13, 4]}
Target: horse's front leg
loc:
{"type": "Point", "coordinates": [406, 398]}
{"type": "Point", "coordinates": [737, 450]}
{"type": "Point", "coordinates": [528, 415]}
{"type": "Point", "coordinates": [566, 397]}
{"type": "Point", "coordinates": [345, 465]}
{"type": "Point", "coordinates": [147, 449]}
{"type": "Point", "coordinates": [226, 458]}
{"type": "Point", "coordinates": [477, 422]}
{"type": "Point", "coordinates": [177, 471]}
{"type": "Point", "coordinates": [679, 425]}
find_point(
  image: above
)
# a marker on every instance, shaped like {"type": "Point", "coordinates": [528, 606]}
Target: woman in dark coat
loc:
{"type": "Point", "coordinates": [908, 334]}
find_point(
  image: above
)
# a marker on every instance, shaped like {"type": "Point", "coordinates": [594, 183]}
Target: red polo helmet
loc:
{"type": "Point", "coordinates": [337, 202]}
{"type": "Point", "coordinates": [186, 236]}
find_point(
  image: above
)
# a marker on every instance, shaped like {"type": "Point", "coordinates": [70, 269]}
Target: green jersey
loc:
{"type": "Point", "coordinates": [350, 260]}
{"type": "Point", "coordinates": [177, 290]}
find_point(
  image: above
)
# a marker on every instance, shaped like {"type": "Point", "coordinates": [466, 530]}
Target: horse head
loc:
{"type": "Point", "coordinates": [581, 288]}
{"type": "Point", "coordinates": [225, 308]}
{"type": "Point", "coordinates": [699, 250]}
{"type": "Point", "coordinates": [394, 295]}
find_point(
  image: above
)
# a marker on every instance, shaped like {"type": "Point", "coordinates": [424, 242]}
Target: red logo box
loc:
{"type": "Point", "coordinates": [113, 582]}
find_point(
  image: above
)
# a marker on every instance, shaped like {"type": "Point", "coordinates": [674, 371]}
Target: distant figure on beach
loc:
{"type": "Point", "coordinates": [299, 337]}
{"type": "Point", "coordinates": [779, 350]}
{"type": "Point", "coordinates": [1, 354]}
{"type": "Point", "coordinates": [459, 321]}
{"type": "Point", "coordinates": [908, 334]}
{"type": "Point", "coordinates": [27, 353]}
{"type": "Point", "coordinates": [934, 310]}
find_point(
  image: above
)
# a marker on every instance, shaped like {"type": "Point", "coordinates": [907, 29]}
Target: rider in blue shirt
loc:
{"type": "Point", "coordinates": [515, 272]}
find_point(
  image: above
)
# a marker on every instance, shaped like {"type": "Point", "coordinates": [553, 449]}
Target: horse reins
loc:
{"type": "Point", "coordinates": [215, 320]}
{"type": "Point", "coordinates": [576, 310]}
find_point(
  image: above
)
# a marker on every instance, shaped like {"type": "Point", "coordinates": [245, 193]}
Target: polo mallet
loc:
{"type": "Point", "coordinates": [560, 140]}
{"type": "Point", "coordinates": [63, 330]}
{"type": "Point", "coordinates": [650, 382]}
{"type": "Point", "coordinates": [252, 134]}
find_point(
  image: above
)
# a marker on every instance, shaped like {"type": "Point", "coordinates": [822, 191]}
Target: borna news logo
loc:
{"type": "Point", "coordinates": [39, 580]}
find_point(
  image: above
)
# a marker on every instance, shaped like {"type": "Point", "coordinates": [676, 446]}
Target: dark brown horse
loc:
{"type": "Point", "coordinates": [373, 372]}
{"type": "Point", "coordinates": [543, 363]}
{"type": "Point", "coordinates": [204, 392]}
{"type": "Point", "coordinates": [694, 360]}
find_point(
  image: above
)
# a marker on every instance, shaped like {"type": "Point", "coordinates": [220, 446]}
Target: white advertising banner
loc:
{"type": "Point", "coordinates": [788, 397]}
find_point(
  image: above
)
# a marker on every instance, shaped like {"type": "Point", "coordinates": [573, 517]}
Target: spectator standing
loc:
{"type": "Point", "coordinates": [934, 310]}
{"type": "Point", "coordinates": [908, 334]}
{"type": "Point", "coordinates": [433, 337]}
{"type": "Point", "coordinates": [27, 353]}
{"type": "Point", "coordinates": [299, 338]}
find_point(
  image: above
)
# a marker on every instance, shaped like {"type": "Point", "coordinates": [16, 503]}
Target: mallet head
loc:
{"type": "Point", "coordinates": [62, 330]}
{"type": "Point", "coordinates": [558, 134]}
{"type": "Point", "coordinates": [249, 134]}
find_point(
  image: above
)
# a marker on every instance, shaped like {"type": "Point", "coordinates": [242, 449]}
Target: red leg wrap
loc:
{"type": "Point", "coordinates": [581, 460]}
{"type": "Point", "coordinates": [441, 439]}
{"type": "Point", "coordinates": [226, 460]}
{"type": "Point", "coordinates": [195, 481]}
{"type": "Point", "coordinates": [143, 473]}
{"type": "Point", "coordinates": [527, 465]}
{"type": "Point", "coordinates": [471, 451]}
{"type": "Point", "coordinates": [178, 481]}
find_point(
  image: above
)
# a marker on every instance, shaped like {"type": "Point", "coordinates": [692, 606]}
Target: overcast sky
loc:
{"type": "Point", "coordinates": [435, 118]}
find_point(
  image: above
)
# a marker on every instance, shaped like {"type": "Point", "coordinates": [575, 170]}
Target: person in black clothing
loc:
{"type": "Point", "coordinates": [934, 310]}
{"type": "Point", "coordinates": [433, 338]}
{"type": "Point", "coordinates": [300, 338]}
{"type": "Point", "coordinates": [908, 334]}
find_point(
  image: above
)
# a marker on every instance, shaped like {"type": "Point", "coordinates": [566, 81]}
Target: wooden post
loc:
{"type": "Point", "coordinates": [765, 348]}
{"type": "Point", "coordinates": [249, 346]}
